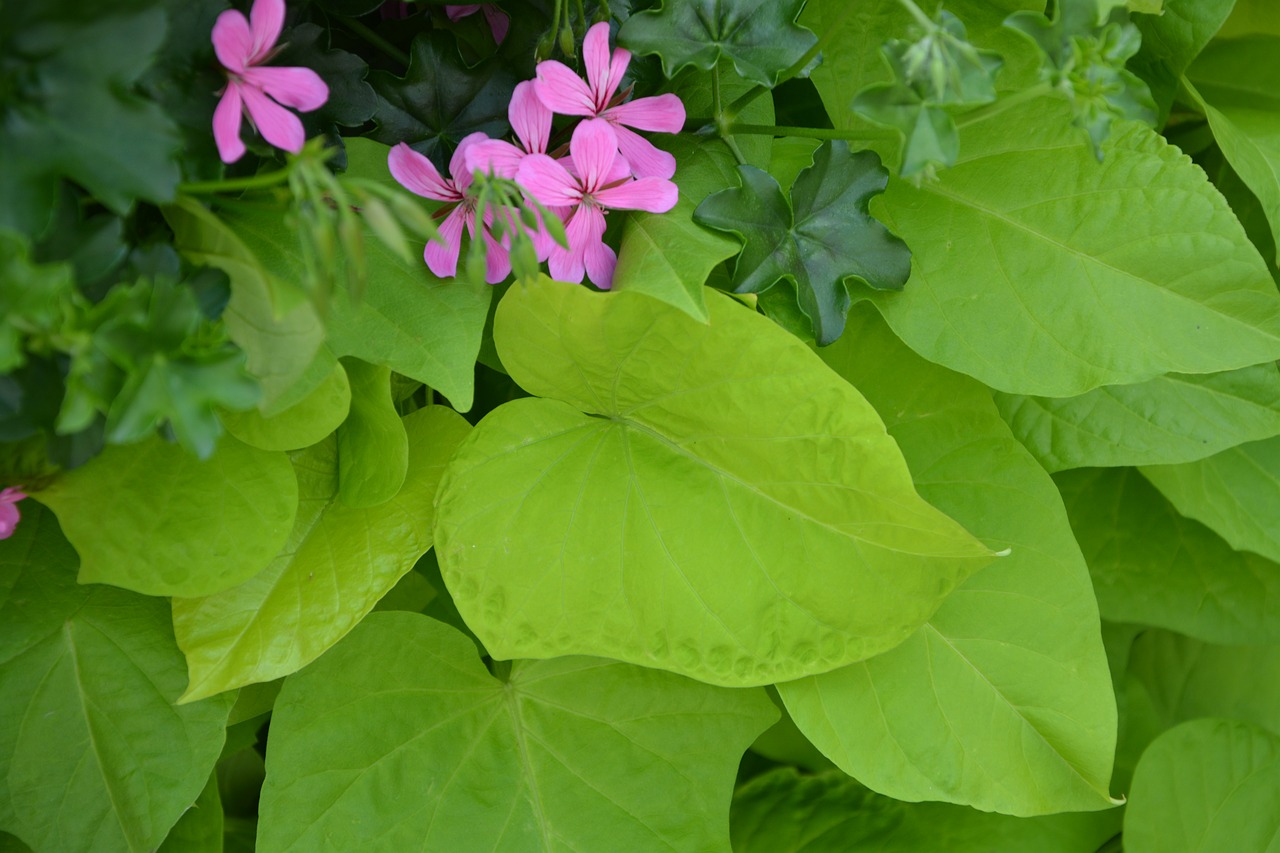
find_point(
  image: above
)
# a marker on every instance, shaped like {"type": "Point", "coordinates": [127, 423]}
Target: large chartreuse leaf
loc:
{"type": "Point", "coordinates": [1166, 420]}
{"type": "Point", "coordinates": [1206, 786]}
{"type": "Point", "coordinates": [709, 499]}
{"type": "Point", "coordinates": [1237, 84]}
{"type": "Point", "coordinates": [1236, 493]}
{"type": "Point", "coordinates": [400, 739]}
{"type": "Point", "coordinates": [1039, 270]}
{"type": "Point", "coordinates": [1170, 41]}
{"type": "Point", "coordinates": [302, 424]}
{"type": "Point", "coordinates": [153, 518]}
{"type": "Point", "coordinates": [406, 319]}
{"type": "Point", "coordinates": [1152, 566]}
{"type": "Point", "coordinates": [373, 450]}
{"type": "Point", "coordinates": [93, 754]}
{"type": "Point", "coordinates": [783, 811]}
{"type": "Point", "coordinates": [338, 561]}
{"type": "Point", "coordinates": [1003, 699]}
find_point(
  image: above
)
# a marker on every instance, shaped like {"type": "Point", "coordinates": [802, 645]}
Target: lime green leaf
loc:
{"type": "Point", "coordinates": [427, 750]}
{"type": "Point", "coordinates": [199, 830]}
{"type": "Point", "coordinates": [32, 299]}
{"type": "Point", "coordinates": [1207, 785]}
{"type": "Point", "coordinates": [373, 450]}
{"type": "Point", "coordinates": [152, 518]}
{"type": "Point", "coordinates": [1170, 41]}
{"type": "Point", "coordinates": [1151, 566]}
{"type": "Point", "coordinates": [1040, 271]}
{"type": "Point", "coordinates": [406, 319]}
{"type": "Point", "coordinates": [822, 236]}
{"type": "Point", "coordinates": [1251, 17]}
{"type": "Point", "coordinates": [760, 37]}
{"type": "Point", "coordinates": [93, 755]}
{"type": "Point", "coordinates": [1002, 700]}
{"type": "Point", "coordinates": [338, 561]}
{"type": "Point", "coordinates": [688, 498]}
{"type": "Point", "coordinates": [1166, 420]}
{"type": "Point", "coordinates": [302, 424]}
{"type": "Point", "coordinates": [1236, 84]}
{"type": "Point", "coordinates": [783, 811]}
{"type": "Point", "coordinates": [1236, 493]}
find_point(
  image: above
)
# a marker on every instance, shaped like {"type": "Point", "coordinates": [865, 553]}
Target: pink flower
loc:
{"type": "Point", "coordinates": [530, 120]}
{"type": "Point", "coordinates": [565, 93]}
{"type": "Point", "coordinates": [9, 515]}
{"type": "Point", "coordinates": [418, 175]}
{"type": "Point", "coordinates": [242, 46]}
{"type": "Point", "coordinates": [498, 21]}
{"type": "Point", "coordinates": [594, 184]}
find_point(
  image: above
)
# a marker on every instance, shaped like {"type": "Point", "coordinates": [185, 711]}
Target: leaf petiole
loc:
{"type": "Point", "coordinates": [996, 107]}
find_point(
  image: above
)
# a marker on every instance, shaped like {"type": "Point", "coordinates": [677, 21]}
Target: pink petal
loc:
{"type": "Point", "coordinates": [11, 494]}
{"type": "Point", "coordinates": [442, 259]}
{"type": "Point", "coordinates": [584, 230]}
{"type": "Point", "coordinates": [418, 175]}
{"type": "Point", "coordinates": [497, 261]}
{"type": "Point", "coordinates": [226, 124]}
{"type": "Point", "coordinates": [9, 518]}
{"type": "Point", "coordinates": [600, 261]}
{"type": "Point", "coordinates": [277, 125]}
{"type": "Point", "coordinates": [266, 19]}
{"type": "Point", "coordinates": [596, 59]}
{"type": "Point", "coordinates": [494, 155]}
{"type": "Point", "coordinates": [499, 23]}
{"type": "Point", "coordinates": [457, 13]}
{"type": "Point", "coordinates": [646, 160]}
{"type": "Point", "coordinates": [594, 148]}
{"type": "Point", "coordinates": [663, 113]}
{"type": "Point", "coordinates": [562, 91]}
{"type": "Point", "coordinates": [530, 118]}
{"type": "Point", "coordinates": [232, 40]}
{"type": "Point", "coordinates": [300, 88]}
{"type": "Point", "coordinates": [548, 181]}
{"type": "Point", "coordinates": [655, 195]}
{"type": "Point", "coordinates": [458, 169]}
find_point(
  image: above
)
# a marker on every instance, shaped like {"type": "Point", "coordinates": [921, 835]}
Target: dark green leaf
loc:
{"type": "Point", "coordinates": [830, 235]}
{"type": "Point", "coordinates": [760, 37]}
{"type": "Point", "coordinates": [1170, 41]}
{"type": "Point", "coordinates": [352, 101]}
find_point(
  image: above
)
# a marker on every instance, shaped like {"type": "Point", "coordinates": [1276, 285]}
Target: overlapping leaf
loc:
{"type": "Point", "coordinates": [427, 750]}
{"type": "Point", "coordinates": [373, 450]}
{"type": "Point", "coordinates": [336, 564]}
{"type": "Point", "coordinates": [1170, 41]}
{"type": "Point", "coordinates": [822, 236]}
{"type": "Point", "coordinates": [1002, 700]}
{"type": "Point", "coordinates": [153, 518]}
{"type": "Point", "coordinates": [302, 424]}
{"type": "Point", "coordinates": [93, 754]}
{"type": "Point", "coordinates": [760, 37]}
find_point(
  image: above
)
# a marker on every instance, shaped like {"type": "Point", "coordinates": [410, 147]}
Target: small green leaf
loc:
{"type": "Point", "coordinates": [302, 424]}
{"type": "Point", "coordinates": [152, 518]}
{"type": "Point", "coordinates": [337, 562]}
{"type": "Point", "coordinates": [1205, 786]}
{"type": "Point", "coordinates": [373, 449]}
{"type": "Point", "coordinates": [829, 237]}
{"type": "Point", "coordinates": [760, 37]}
{"type": "Point", "coordinates": [687, 499]}
{"type": "Point", "coordinates": [427, 750]}
{"type": "Point", "coordinates": [33, 299]}
{"type": "Point", "coordinates": [783, 810]}
{"type": "Point", "coordinates": [93, 754]}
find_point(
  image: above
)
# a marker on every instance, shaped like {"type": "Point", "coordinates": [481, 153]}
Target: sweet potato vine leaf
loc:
{"type": "Point", "coordinates": [760, 37]}
{"type": "Point", "coordinates": [822, 236]}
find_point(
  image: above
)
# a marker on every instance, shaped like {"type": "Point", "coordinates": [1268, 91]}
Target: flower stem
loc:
{"type": "Point", "coordinates": [996, 107]}
{"type": "Point", "coordinates": [921, 18]}
{"type": "Point", "coordinates": [367, 33]}
{"type": "Point", "coordinates": [262, 181]}
{"type": "Point", "coordinates": [804, 132]}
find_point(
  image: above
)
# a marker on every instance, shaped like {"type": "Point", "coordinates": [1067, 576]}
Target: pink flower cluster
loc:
{"type": "Point", "coordinates": [609, 166]}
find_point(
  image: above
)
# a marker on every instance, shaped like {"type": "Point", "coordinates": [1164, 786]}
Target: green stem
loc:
{"type": "Point", "coordinates": [261, 181]}
{"type": "Point", "coordinates": [722, 124]}
{"type": "Point", "coordinates": [921, 18]}
{"type": "Point", "coordinates": [996, 107]}
{"type": "Point", "coordinates": [804, 132]}
{"type": "Point", "coordinates": [366, 33]}
{"type": "Point", "coordinates": [582, 18]}
{"type": "Point", "coordinates": [828, 33]}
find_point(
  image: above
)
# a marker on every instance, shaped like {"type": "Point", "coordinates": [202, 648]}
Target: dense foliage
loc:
{"type": "Point", "coordinates": [685, 425]}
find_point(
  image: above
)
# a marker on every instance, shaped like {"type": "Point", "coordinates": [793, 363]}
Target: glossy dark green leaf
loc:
{"type": "Point", "coordinates": [352, 100]}
{"type": "Point", "coordinates": [428, 750]}
{"type": "Point", "coordinates": [822, 236]}
{"type": "Point", "coordinates": [760, 37]}
{"type": "Point", "coordinates": [93, 754]}
{"type": "Point", "coordinates": [785, 812]}
{"type": "Point", "coordinates": [1152, 566]}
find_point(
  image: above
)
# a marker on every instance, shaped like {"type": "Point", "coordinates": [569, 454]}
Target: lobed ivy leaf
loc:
{"type": "Point", "coordinates": [93, 754]}
{"type": "Point", "coordinates": [1206, 785]}
{"type": "Point", "coordinates": [352, 100]}
{"type": "Point", "coordinates": [822, 236]}
{"type": "Point", "coordinates": [760, 37]}
{"type": "Point", "coordinates": [428, 750]}
{"type": "Point", "coordinates": [441, 99]}
{"type": "Point", "coordinates": [687, 499]}
{"type": "Point", "coordinates": [34, 300]}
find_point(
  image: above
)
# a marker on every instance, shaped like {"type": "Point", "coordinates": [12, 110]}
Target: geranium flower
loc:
{"type": "Point", "coordinates": [530, 121]}
{"type": "Point", "coordinates": [498, 21]}
{"type": "Point", "coordinates": [242, 47]}
{"type": "Point", "coordinates": [9, 515]}
{"type": "Point", "coordinates": [591, 187]}
{"type": "Point", "coordinates": [418, 175]}
{"type": "Point", "coordinates": [564, 92]}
